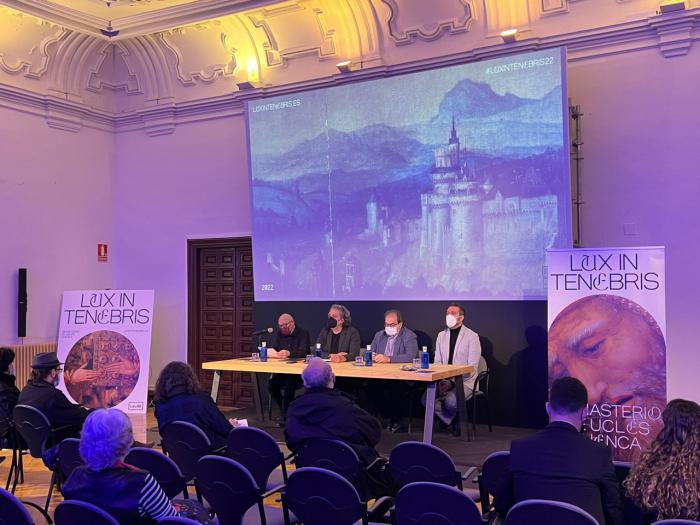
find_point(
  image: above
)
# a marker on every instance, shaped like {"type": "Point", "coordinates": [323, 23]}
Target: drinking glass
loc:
{"type": "Point", "coordinates": [255, 356]}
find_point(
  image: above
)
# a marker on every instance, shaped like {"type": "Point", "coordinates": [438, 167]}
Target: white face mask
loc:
{"type": "Point", "coordinates": [56, 380]}
{"type": "Point", "coordinates": [391, 330]}
{"type": "Point", "coordinates": [450, 321]}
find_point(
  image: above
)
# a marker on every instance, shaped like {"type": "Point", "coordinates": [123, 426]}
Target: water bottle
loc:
{"type": "Point", "coordinates": [318, 352]}
{"type": "Point", "coordinates": [425, 358]}
{"type": "Point", "coordinates": [368, 356]}
{"type": "Point", "coordinates": [263, 352]}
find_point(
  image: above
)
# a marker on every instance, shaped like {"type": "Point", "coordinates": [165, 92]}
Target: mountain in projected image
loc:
{"type": "Point", "coordinates": [463, 203]}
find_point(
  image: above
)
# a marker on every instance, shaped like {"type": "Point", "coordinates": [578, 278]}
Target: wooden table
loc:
{"type": "Point", "coordinates": [378, 371]}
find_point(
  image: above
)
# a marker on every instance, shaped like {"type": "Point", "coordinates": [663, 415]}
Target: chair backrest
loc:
{"type": "Point", "coordinates": [429, 503]}
{"type": "Point", "coordinates": [33, 426]}
{"type": "Point", "coordinates": [332, 455]}
{"type": "Point", "coordinates": [257, 451]}
{"type": "Point", "coordinates": [416, 461]}
{"type": "Point", "coordinates": [492, 470]}
{"type": "Point", "coordinates": [481, 383]}
{"type": "Point", "coordinates": [69, 456]}
{"type": "Point", "coordinates": [228, 487]}
{"type": "Point", "coordinates": [12, 512]}
{"type": "Point", "coordinates": [186, 444]}
{"type": "Point", "coordinates": [321, 497]}
{"type": "Point", "coordinates": [177, 520]}
{"type": "Point", "coordinates": [545, 511]}
{"type": "Point", "coordinates": [71, 512]}
{"type": "Point", "coordinates": [161, 467]}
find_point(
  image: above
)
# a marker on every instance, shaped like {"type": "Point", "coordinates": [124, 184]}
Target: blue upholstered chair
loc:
{"type": "Point", "coordinates": [72, 512]}
{"type": "Point", "coordinates": [426, 503]}
{"type": "Point", "coordinates": [257, 451]}
{"type": "Point", "coordinates": [161, 467]}
{"type": "Point", "coordinates": [545, 511]}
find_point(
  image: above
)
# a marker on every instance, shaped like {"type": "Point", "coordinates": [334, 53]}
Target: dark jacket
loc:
{"type": "Point", "coordinates": [405, 346]}
{"type": "Point", "coordinates": [349, 341]}
{"type": "Point", "coordinates": [298, 342]}
{"type": "Point", "coordinates": [115, 490]}
{"type": "Point", "coordinates": [199, 409]}
{"type": "Point", "coordinates": [9, 394]}
{"type": "Point", "coordinates": [324, 413]}
{"type": "Point", "coordinates": [559, 463]}
{"type": "Point", "coordinates": [55, 406]}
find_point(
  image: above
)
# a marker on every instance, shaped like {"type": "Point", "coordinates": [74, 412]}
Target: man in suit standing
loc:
{"type": "Point", "coordinates": [560, 463]}
{"type": "Point", "coordinates": [456, 345]}
{"type": "Point", "coordinates": [394, 344]}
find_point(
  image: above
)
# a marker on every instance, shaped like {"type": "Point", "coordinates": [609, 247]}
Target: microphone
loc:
{"type": "Point", "coordinates": [264, 331]}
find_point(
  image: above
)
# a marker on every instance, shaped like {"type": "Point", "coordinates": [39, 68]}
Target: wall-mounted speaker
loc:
{"type": "Point", "coordinates": [22, 302]}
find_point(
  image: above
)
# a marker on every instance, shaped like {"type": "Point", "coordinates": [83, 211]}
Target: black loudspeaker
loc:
{"type": "Point", "coordinates": [22, 303]}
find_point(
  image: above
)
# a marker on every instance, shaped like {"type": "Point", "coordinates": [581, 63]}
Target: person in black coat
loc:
{"type": "Point", "coordinates": [178, 398]}
{"type": "Point", "coordinates": [325, 413]}
{"type": "Point", "coordinates": [560, 463]}
{"type": "Point", "coordinates": [338, 339]}
{"type": "Point", "coordinates": [9, 393]}
{"type": "Point", "coordinates": [42, 394]}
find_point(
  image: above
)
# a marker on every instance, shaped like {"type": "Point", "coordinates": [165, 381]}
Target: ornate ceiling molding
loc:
{"type": "Point", "coordinates": [104, 77]}
{"type": "Point", "coordinates": [412, 20]}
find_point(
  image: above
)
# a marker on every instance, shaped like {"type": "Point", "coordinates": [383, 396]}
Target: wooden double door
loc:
{"type": "Point", "coordinates": [220, 312]}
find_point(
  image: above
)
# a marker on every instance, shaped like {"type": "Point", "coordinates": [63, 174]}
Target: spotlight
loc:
{"type": "Point", "coordinates": [346, 66]}
{"type": "Point", "coordinates": [509, 36]}
{"type": "Point", "coordinates": [669, 6]}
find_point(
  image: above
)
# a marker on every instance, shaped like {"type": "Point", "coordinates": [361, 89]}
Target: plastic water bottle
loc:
{"type": "Point", "coordinates": [425, 358]}
{"type": "Point", "coordinates": [318, 352]}
{"type": "Point", "coordinates": [263, 352]}
{"type": "Point", "coordinates": [368, 356]}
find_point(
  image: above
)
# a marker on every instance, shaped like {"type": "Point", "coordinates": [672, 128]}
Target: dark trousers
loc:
{"type": "Point", "coordinates": [282, 388]}
{"type": "Point", "coordinates": [388, 398]}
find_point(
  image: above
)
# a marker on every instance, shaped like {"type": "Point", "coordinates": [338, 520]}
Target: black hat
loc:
{"type": "Point", "coordinates": [46, 360]}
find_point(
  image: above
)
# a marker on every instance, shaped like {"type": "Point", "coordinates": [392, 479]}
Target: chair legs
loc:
{"type": "Point", "coordinates": [54, 481]}
{"type": "Point", "coordinates": [473, 415]}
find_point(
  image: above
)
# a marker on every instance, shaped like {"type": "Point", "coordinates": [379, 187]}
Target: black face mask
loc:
{"type": "Point", "coordinates": [331, 323]}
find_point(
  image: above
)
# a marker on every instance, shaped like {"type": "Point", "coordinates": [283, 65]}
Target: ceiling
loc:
{"type": "Point", "coordinates": [118, 19]}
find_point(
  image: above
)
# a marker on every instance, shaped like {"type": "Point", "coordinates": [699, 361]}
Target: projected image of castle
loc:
{"type": "Point", "coordinates": [360, 193]}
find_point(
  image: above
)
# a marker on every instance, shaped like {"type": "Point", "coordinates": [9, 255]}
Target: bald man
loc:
{"type": "Point", "coordinates": [290, 341]}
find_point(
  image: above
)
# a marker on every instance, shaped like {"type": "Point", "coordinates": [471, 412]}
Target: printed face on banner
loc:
{"type": "Point", "coordinates": [615, 346]}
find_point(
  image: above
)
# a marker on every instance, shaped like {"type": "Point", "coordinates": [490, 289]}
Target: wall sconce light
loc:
{"type": "Point", "coordinates": [669, 6]}
{"type": "Point", "coordinates": [509, 36]}
{"type": "Point", "coordinates": [253, 75]}
{"type": "Point", "coordinates": [346, 66]}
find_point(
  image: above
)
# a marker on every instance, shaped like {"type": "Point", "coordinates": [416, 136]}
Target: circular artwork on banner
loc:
{"type": "Point", "coordinates": [101, 369]}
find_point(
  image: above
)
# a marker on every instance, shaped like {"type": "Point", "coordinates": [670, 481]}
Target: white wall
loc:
{"type": "Point", "coordinates": [642, 160]}
{"type": "Point", "coordinates": [55, 207]}
{"type": "Point", "coordinates": [193, 183]}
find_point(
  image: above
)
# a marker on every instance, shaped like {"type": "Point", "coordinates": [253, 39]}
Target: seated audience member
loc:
{"type": "Point", "coordinates": [290, 341]}
{"type": "Point", "coordinates": [325, 413]}
{"type": "Point", "coordinates": [178, 398]}
{"type": "Point", "coordinates": [666, 479]}
{"type": "Point", "coordinates": [560, 463]}
{"type": "Point", "coordinates": [338, 338]}
{"type": "Point", "coordinates": [456, 345]}
{"type": "Point", "coordinates": [42, 394]}
{"type": "Point", "coordinates": [132, 496]}
{"type": "Point", "coordinates": [394, 344]}
{"type": "Point", "coordinates": [9, 393]}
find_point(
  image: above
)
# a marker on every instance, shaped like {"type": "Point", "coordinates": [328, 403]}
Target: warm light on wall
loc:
{"type": "Point", "coordinates": [252, 70]}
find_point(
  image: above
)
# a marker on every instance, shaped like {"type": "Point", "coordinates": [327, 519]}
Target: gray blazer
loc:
{"type": "Point", "coordinates": [349, 342]}
{"type": "Point", "coordinates": [405, 347]}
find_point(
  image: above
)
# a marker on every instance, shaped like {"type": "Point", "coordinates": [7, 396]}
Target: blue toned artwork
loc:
{"type": "Point", "coordinates": [443, 184]}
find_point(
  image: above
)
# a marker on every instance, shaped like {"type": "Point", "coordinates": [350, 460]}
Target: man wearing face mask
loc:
{"type": "Point", "coordinates": [394, 344]}
{"type": "Point", "coordinates": [456, 345]}
{"type": "Point", "coordinates": [289, 341]}
{"type": "Point", "coordinates": [339, 340]}
{"type": "Point", "coordinates": [42, 394]}
{"type": "Point", "coordinates": [560, 463]}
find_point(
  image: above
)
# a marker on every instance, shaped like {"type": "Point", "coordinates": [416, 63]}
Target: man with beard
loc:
{"type": "Point", "coordinates": [290, 341]}
{"type": "Point", "coordinates": [42, 394]}
{"type": "Point", "coordinates": [616, 348]}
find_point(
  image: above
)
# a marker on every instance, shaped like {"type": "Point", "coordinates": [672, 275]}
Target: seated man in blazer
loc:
{"type": "Point", "coordinates": [394, 344]}
{"type": "Point", "coordinates": [456, 345]}
{"type": "Point", "coordinates": [339, 340]}
{"type": "Point", "coordinates": [560, 463]}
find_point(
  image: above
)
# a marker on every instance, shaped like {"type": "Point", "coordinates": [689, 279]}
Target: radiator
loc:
{"type": "Point", "coordinates": [23, 359]}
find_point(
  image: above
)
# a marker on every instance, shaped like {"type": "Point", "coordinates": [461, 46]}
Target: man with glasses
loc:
{"type": "Point", "coordinates": [289, 341]}
{"type": "Point", "coordinates": [394, 344]}
{"type": "Point", "coordinates": [42, 394]}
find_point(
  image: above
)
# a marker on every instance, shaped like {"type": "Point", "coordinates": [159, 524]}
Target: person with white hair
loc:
{"type": "Point", "coordinates": [323, 412]}
{"type": "Point", "coordinates": [130, 495]}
